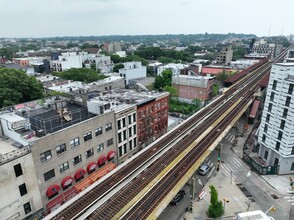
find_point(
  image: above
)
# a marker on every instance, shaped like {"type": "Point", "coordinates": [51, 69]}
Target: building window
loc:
{"type": "Point", "coordinates": [98, 131]}
{"type": "Point", "coordinates": [50, 174]}
{"type": "Point", "coordinates": [100, 147]}
{"type": "Point", "coordinates": [125, 149]}
{"type": "Point", "coordinates": [63, 167]}
{"type": "Point", "coordinates": [108, 127]}
{"type": "Point", "coordinates": [265, 154]}
{"type": "Point", "coordinates": [290, 90]}
{"type": "Point", "coordinates": [292, 166]}
{"type": "Point", "coordinates": [285, 113]}
{"type": "Point", "coordinates": [120, 151]}
{"type": "Point", "coordinates": [283, 122]}
{"type": "Point", "coordinates": [27, 207]}
{"type": "Point", "coordinates": [134, 117]}
{"type": "Point", "coordinates": [60, 149]}
{"type": "Point", "coordinates": [89, 153]}
{"type": "Point", "coordinates": [130, 132]}
{"type": "Point", "coordinates": [275, 84]}
{"type": "Point", "coordinates": [272, 96]}
{"type": "Point", "coordinates": [75, 142]}
{"type": "Point", "coordinates": [288, 100]}
{"type": "Point", "coordinates": [109, 142]}
{"type": "Point", "coordinates": [18, 170]}
{"type": "Point", "coordinates": [88, 136]}
{"type": "Point", "coordinates": [131, 144]}
{"type": "Point", "coordinates": [124, 135]}
{"type": "Point", "coordinates": [46, 156]}
{"type": "Point", "coordinates": [265, 128]}
{"type": "Point", "coordinates": [124, 122]}
{"type": "Point", "coordinates": [263, 138]}
{"type": "Point", "coordinates": [278, 144]}
{"type": "Point", "coordinates": [292, 152]}
{"type": "Point", "coordinates": [135, 129]}
{"type": "Point", "coordinates": [118, 125]}
{"type": "Point", "coordinates": [130, 119]}
{"type": "Point", "coordinates": [135, 142]}
{"type": "Point", "coordinates": [270, 106]}
{"type": "Point", "coordinates": [119, 137]}
{"type": "Point", "coordinates": [280, 135]}
{"type": "Point", "coordinates": [22, 189]}
{"type": "Point", "coordinates": [77, 159]}
{"type": "Point", "coordinates": [268, 116]}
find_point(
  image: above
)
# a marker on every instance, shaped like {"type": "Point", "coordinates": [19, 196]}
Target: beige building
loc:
{"type": "Point", "coordinates": [19, 192]}
{"type": "Point", "coordinates": [225, 56]}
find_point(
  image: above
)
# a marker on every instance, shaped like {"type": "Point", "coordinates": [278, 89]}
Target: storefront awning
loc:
{"type": "Point", "coordinates": [111, 154]}
{"type": "Point", "coordinates": [52, 190]}
{"type": "Point", "coordinates": [67, 181]}
{"type": "Point", "coordinates": [91, 166]}
{"type": "Point", "coordinates": [80, 173]}
{"type": "Point", "coordinates": [102, 160]}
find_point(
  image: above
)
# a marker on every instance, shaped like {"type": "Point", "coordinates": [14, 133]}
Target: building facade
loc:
{"type": "Point", "coordinates": [19, 193]}
{"type": "Point", "coordinates": [132, 71]}
{"type": "Point", "coordinates": [276, 131]}
{"type": "Point", "coordinates": [225, 56]}
{"type": "Point", "coordinates": [191, 87]}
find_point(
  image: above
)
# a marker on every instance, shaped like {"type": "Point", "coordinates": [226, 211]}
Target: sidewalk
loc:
{"type": "Point", "coordinates": [238, 202]}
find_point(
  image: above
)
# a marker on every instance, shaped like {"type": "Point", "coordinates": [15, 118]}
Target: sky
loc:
{"type": "Point", "coordinates": [49, 18]}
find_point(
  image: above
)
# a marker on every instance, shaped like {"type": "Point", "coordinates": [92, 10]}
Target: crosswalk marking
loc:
{"type": "Point", "coordinates": [290, 199]}
{"type": "Point", "coordinates": [229, 171]}
{"type": "Point", "coordinates": [230, 137]}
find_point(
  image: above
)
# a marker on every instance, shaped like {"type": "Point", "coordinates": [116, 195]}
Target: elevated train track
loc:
{"type": "Point", "coordinates": [186, 133]}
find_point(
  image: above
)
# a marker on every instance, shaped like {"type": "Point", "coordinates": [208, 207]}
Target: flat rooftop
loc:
{"type": "Point", "coordinates": [49, 120]}
{"type": "Point", "coordinates": [7, 145]}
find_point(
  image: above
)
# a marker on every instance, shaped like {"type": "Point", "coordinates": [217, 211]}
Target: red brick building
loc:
{"type": "Point", "coordinates": [152, 119]}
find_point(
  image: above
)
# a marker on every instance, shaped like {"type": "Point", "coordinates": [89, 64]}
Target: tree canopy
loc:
{"type": "Point", "coordinates": [17, 87]}
{"type": "Point", "coordinates": [80, 74]}
{"type": "Point", "coordinates": [163, 80]}
{"type": "Point", "coordinates": [215, 208]}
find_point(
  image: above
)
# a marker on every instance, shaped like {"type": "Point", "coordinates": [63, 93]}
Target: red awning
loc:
{"type": "Point", "coordinates": [52, 190]}
{"type": "Point", "coordinates": [91, 166]}
{"type": "Point", "coordinates": [67, 181]}
{"type": "Point", "coordinates": [111, 154]}
{"type": "Point", "coordinates": [102, 160]}
{"type": "Point", "coordinates": [79, 173]}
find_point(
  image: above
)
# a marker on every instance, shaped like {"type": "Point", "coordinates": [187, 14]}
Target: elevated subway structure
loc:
{"type": "Point", "coordinates": [165, 163]}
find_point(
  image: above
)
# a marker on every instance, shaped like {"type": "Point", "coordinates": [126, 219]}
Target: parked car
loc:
{"type": "Point", "coordinates": [180, 195]}
{"type": "Point", "coordinates": [203, 169]}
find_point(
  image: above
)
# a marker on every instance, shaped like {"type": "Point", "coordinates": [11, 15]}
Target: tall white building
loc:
{"type": "Point", "coordinates": [276, 131]}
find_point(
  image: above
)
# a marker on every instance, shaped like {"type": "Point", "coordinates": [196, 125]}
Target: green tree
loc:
{"type": "Point", "coordinates": [80, 74]}
{"type": "Point", "coordinates": [115, 58]}
{"type": "Point", "coordinates": [117, 67]}
{"type": "Point", "coordinates": [215, 208]}
{"type": "Point", "coordinates": [197, 103]}
{"type": "Point", "coordinates": [164, 79]}
{"type": "Point", "coordinates": [17, 87]}
{"type": "Point", "coordinates": [173, 91]}
{"type": "Point", "coordinates": [221, 77]}
{"type": "Point", "coordinates": [215, 89]}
